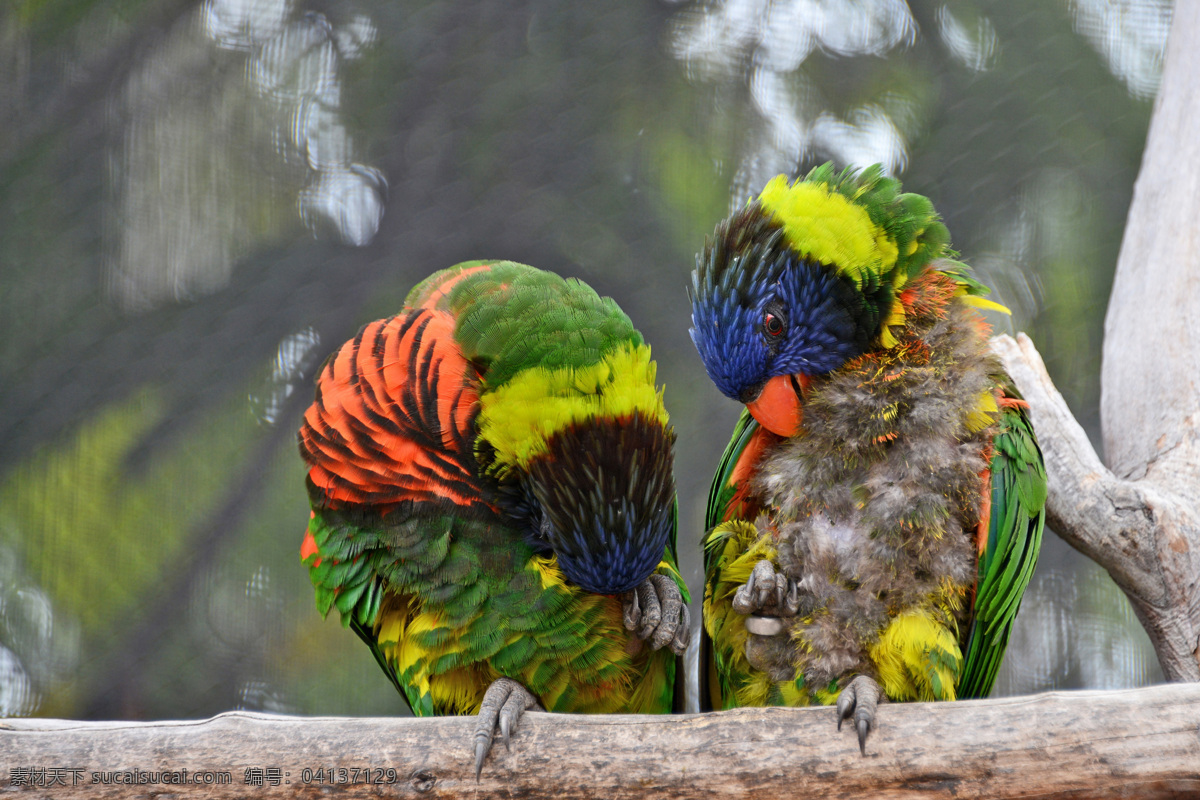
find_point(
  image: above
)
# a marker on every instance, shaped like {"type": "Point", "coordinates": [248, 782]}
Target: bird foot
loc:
{"type": "Point", "coordinates": [655, 610]}
{"type": "Point", "coordinates": [503, 704]}
{"type": "Point", "coordinates": [767, 593]}
{"type": "Point", "coordinates": [859, 699]}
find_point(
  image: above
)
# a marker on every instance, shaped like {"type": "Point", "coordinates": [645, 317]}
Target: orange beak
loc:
{"type": "Point", "coordinates": [779, 407]}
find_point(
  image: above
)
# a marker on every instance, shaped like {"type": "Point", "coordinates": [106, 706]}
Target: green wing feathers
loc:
{"type": "Point", "coordinates": [1014, 537]}
{"type": "Point", "coordinates": [488, 606]}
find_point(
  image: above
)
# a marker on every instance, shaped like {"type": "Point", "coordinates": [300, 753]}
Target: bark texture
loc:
{"type": "Point", "coordinates": [1142, 743]}
{"type": "Point", "coordinates": [1139, 516]}
{"type": "Point", "coordinates": [1150, 397]}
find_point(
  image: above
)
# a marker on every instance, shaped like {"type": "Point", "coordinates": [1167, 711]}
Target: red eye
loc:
{"type": "Point", "coordinates": [772, 324]}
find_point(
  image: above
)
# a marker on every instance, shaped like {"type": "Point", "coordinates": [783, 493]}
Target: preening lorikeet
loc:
{"type": "Point", "coordinates": [878, 512]}
{"type": "Point", "coordinates": [493, 504]}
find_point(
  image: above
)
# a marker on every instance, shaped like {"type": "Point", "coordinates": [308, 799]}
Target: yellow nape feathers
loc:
{"type": "Point", "coordinates": [826, 226]}
{"type": "Point", "coordinates": [519, 417]}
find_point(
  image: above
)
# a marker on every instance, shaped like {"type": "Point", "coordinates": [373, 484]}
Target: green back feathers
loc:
{"type": "Point", "coordinates": [511, 317]}
{"type": "Point", "coordinates": [553, 353]}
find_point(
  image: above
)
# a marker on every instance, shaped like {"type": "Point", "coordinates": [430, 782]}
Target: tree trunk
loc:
{"type": "Point", "coordinates": [1140, 743]}
{"type": "Point", "coordinates": [1139, 518]}
{"type": "Point", "coordinates": [1150, 400]}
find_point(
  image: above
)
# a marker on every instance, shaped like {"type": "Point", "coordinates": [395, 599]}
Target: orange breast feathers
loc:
{"type": "Point", "coordinates": [393, 419]}
{"type": "Point", "coordinates": [741, 504]}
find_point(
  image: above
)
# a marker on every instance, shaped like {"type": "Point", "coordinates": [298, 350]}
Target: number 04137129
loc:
{"type": "Point", "coordinates": [349, 775]}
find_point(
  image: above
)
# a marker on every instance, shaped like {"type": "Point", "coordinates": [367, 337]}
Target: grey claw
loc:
{"type": "Point", "coordinates": [768, 591]}
{"type": "Point", "coordinates": [766, 586]}
{"type": "Point", "coordinates": [745, 599]}
{"type": "Point", "coordinates": [503, 703]}
{"type": "Point", "coordinates": [655, 611]}
{"type": "Point", "coordinates": [859, 699]}
{"type": "Point", "coordinates": [481, 750]}
{"type": "Point", "coordinates": [792, 601]}
{"type": "Point", "coordinates": [741, 603]}
{"type": "Point", "coordinates": [670, 603]}
{"type": "Point", "coordinates": [651, 609]}
{"type": "Point", "coordinates": [505, 730]}
{"type": "Point", "coordinates": [631, 610]}
{"type": "Point", "coordinates": [683, 632]}
{"type": "Point", "coordinates": [749, 587]}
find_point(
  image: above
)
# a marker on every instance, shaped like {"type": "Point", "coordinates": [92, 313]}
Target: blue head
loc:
{"type": "Point", "coordinates": [762, 312]}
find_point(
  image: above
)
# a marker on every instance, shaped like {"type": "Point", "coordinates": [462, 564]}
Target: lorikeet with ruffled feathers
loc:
{"type": "Point", "coordinates": [493, 503]}
{"type": "Point", "coordinates": [878, 512]}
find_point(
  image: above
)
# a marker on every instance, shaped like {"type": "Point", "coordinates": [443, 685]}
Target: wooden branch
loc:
{"type": "Point", "coordinates": [1096, 512]}
{"type": "Point", "coordinates": [1141, 743]}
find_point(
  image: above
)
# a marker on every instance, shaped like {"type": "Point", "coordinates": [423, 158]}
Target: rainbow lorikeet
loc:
{"type": "Point", "coordinates": [493, 503]}
{"type": "Point", "coordinates": [878, 512]}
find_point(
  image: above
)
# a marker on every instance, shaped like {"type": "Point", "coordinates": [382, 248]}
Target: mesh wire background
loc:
{"type": "Point", "coordinates": [199, 201]}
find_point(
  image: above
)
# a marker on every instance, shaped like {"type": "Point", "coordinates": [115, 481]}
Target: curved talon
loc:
{"type": "Point", "coordinates": [864, 727]}
{"type": "Point", "coordinates": [860, 698]}
{"type": "Point", "coordinates": [791, 602]}
{"type": "Point", "coordinates": [503, 703]}
{"type": "Point", "coordinates": [509, 714]}
{"type": "Point", "coordinates": [683, 632]}
{"type": "Point", "coordinates": [631, 609]}
{"type": "Point", "coordinates": [482, 745]}
{"type": "Point", "coordinates": [745, 600]}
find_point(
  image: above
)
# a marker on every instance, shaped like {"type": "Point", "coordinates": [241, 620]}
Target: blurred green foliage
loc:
{"type": "Point", "coordinates": [153, 498]}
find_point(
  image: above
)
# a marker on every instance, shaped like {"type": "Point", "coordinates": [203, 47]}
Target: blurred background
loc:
{"type": "Point", "coordinates": [200, 200]}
